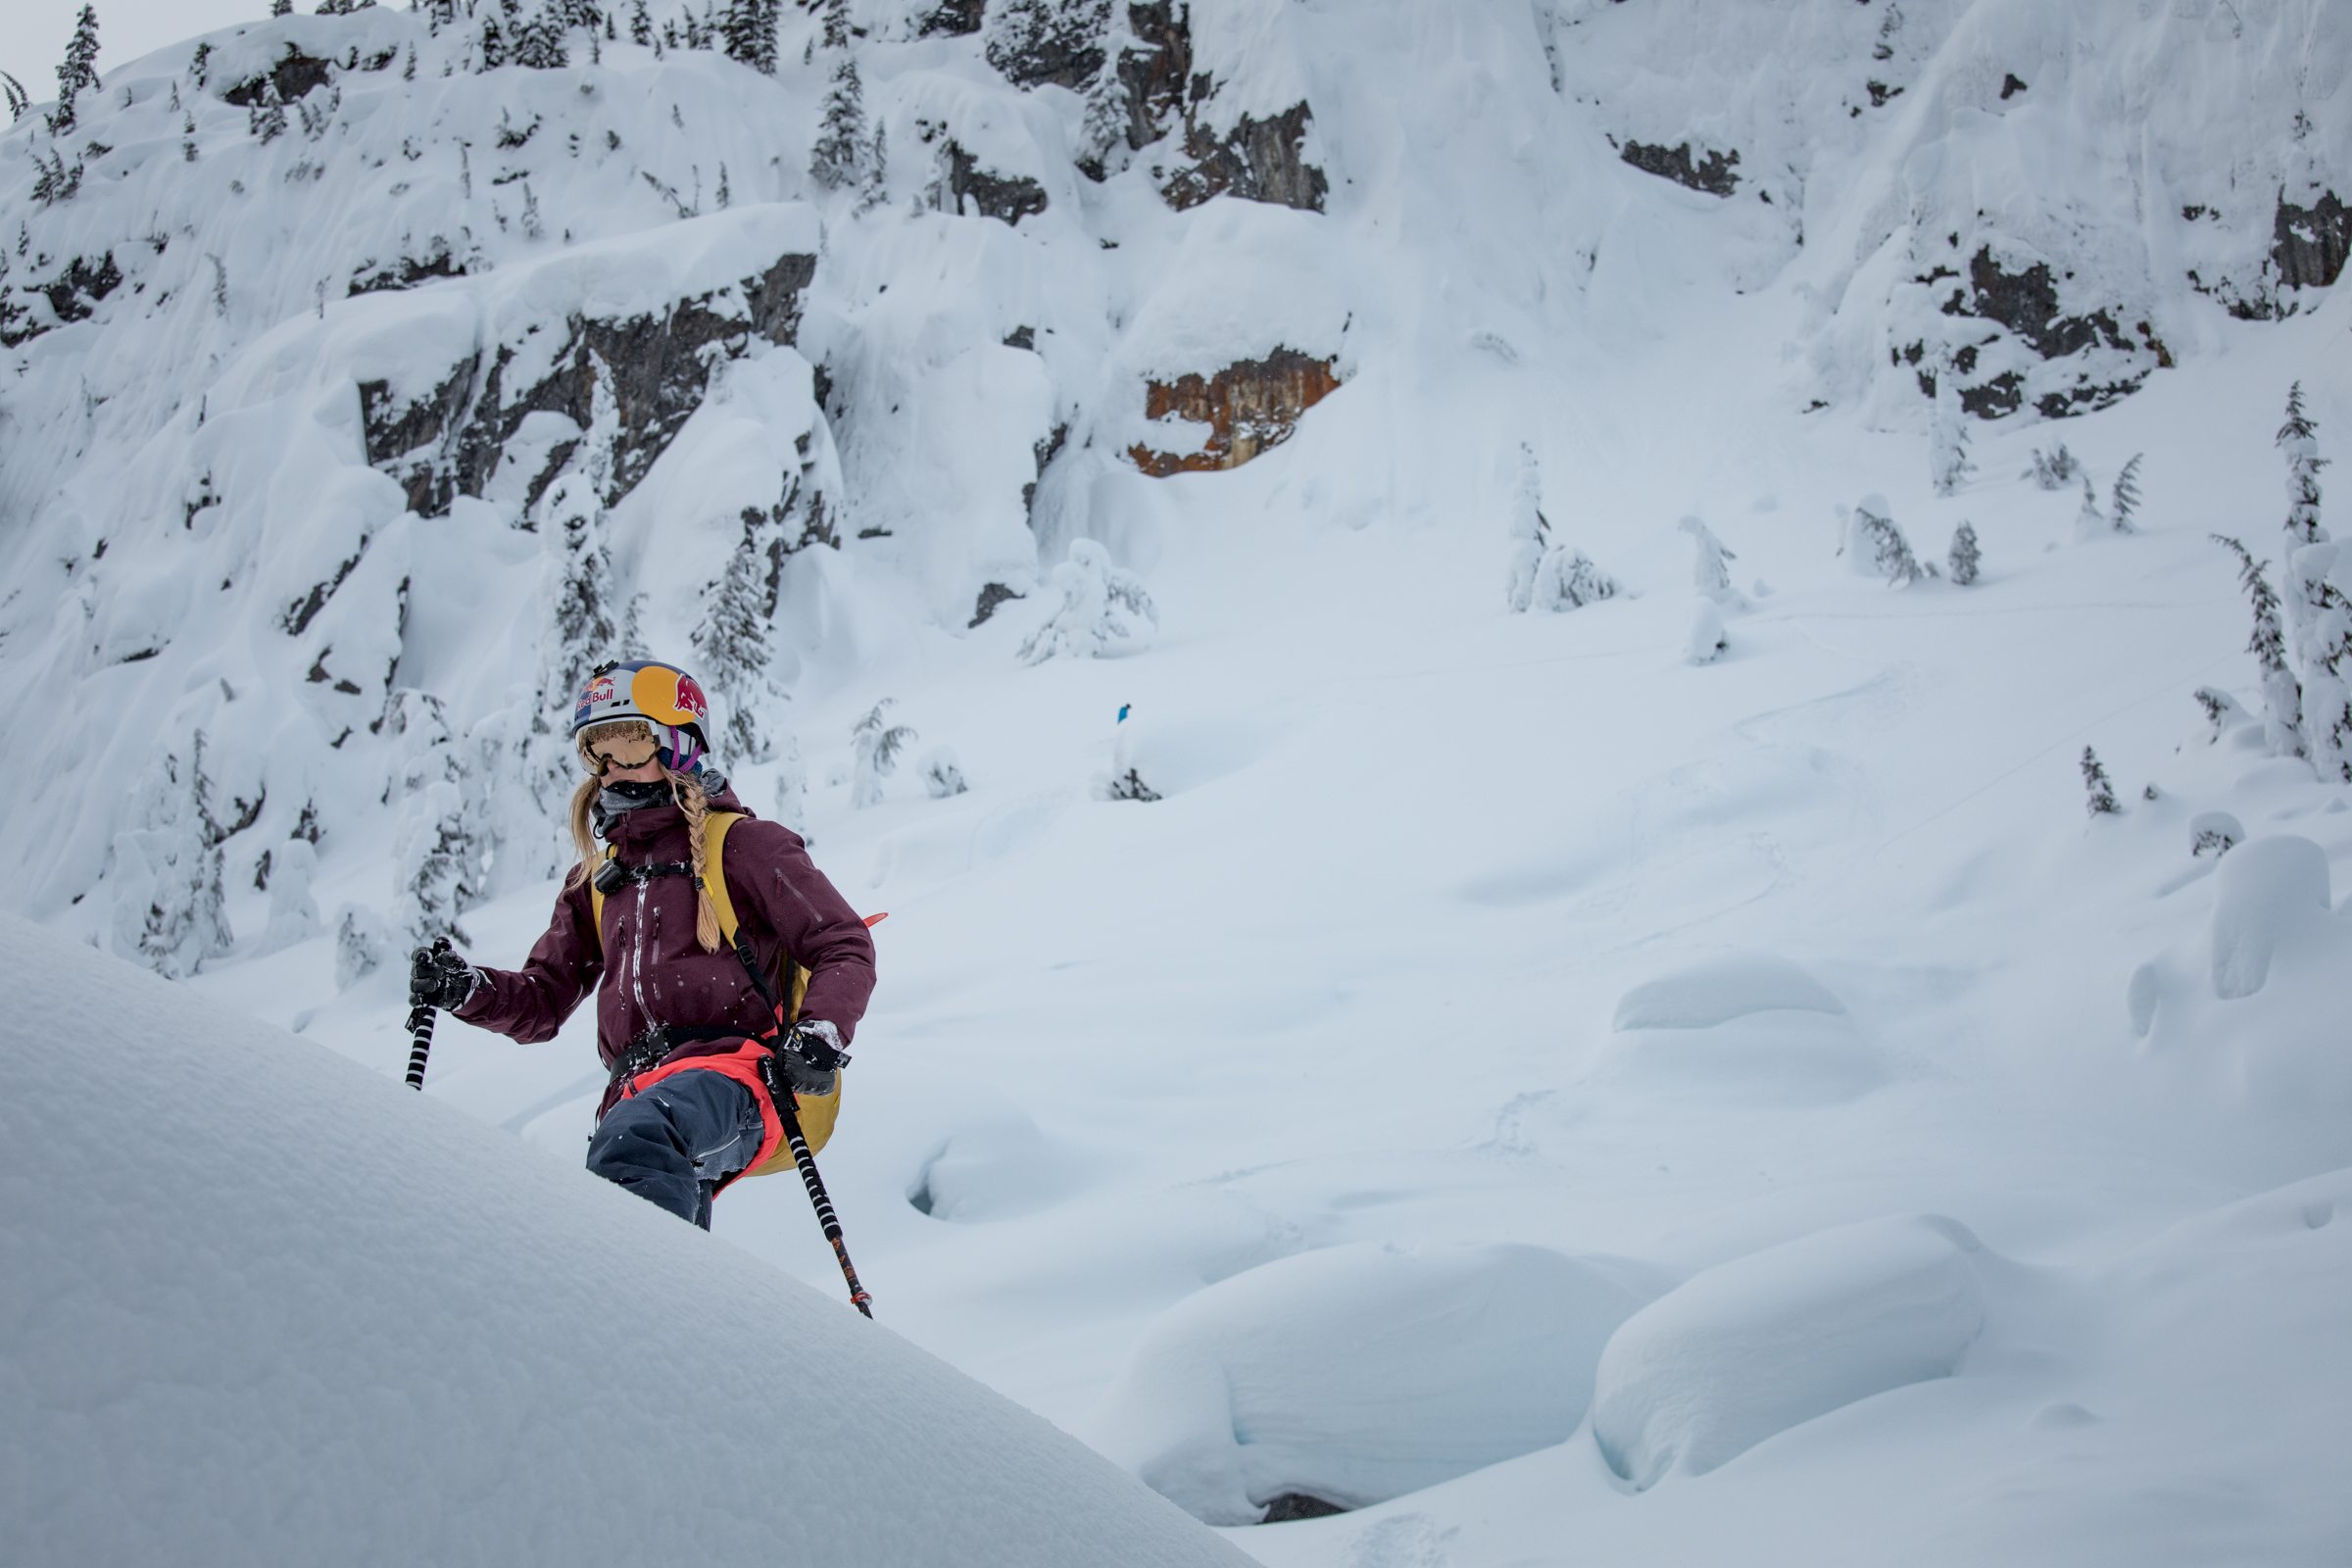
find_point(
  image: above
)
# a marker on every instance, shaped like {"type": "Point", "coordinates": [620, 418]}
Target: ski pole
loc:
{"type": "Point", "coordinates": [827, 1221]}
{"type": "Point", "coordinates": [421, 1027]}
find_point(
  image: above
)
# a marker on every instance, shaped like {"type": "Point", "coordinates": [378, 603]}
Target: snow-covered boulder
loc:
{"type": "Point", "coordinates": [300, 1314]}
{"type": "Point", "coordinates": [1360, 1373]}
{"type": "Point", "coordinates": [2263, 894]}
{"type": "Point", "coordinates": [1753, 1028]}
{"type": "Point", "coordinates": [1769, 1341]}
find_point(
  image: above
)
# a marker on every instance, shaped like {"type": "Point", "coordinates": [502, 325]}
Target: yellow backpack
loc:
{"type": "Point", "coordinates": [789, 983]}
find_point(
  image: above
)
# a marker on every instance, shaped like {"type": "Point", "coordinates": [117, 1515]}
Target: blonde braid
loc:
{"type": "Point", "coordinates": [583, 830]}
{"type": "Point", "coordinates": [688, 792]}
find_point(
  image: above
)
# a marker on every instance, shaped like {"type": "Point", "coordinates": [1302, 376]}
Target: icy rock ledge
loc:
{"type": "Point", "coordinates": [1773, 1339]}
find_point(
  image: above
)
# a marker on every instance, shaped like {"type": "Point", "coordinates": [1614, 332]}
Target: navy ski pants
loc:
{"type": "Point", "coordinates": [676, 1142]}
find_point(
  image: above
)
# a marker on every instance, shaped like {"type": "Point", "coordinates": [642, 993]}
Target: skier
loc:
{"type": "Point", "coordinates": [696, 1051]}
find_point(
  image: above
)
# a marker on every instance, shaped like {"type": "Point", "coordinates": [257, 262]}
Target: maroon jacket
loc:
{"type": "Point", "coordinates": [653, 969]}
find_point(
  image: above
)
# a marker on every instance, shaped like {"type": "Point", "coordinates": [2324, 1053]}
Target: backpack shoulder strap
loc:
{"type": "Point", "coordinates": [714, 881]}
{"type": "Point", "coordinates": [596, 902]}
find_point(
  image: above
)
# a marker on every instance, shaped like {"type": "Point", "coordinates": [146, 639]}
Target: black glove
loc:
{"type": "Point", "coordinates": [440, 978]}
{"type": "Point", "coordinates": [810, 1059]}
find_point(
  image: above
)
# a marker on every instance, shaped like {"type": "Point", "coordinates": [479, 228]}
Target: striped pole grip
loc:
{"type": "Point", "coordinates": [420, 1043]}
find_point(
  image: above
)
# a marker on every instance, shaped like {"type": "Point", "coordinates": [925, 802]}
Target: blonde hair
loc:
{"type": "Point", "coordinates": [687, 791]}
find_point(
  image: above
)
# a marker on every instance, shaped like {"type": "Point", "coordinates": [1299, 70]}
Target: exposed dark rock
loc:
{"type": "Point", "coordinates": [2011, 85]}
{"type": "Point", "coordinates": [294, 74]}
{"type": "Point", "coordinates": [1298, 1506]}
{"type": "Point", "coordinates": [1006, 198]}
{"type": "Point", "coordinates": [320, 675]}
{"type": "Point", "coordinates": [2309, 244]}
{"type": "Point", "coordinates": [1041, 42]}
{"type": "Point", "coordinates": [406, 272]}
{"type": "Point", "coordinates": [1880, 95]}
{"type": "Point", "coordinates": [993, 597]}
{"type": "Point", "coordinates": [302, 611]}
{"type": "Point", "coordinates": [73, 294]}
{"type": "Point", "coordinates": [1259, 159]}
{"type": "Point", "coordinates": [1711, 171]}
{"type": "Point", "coordinates": [1249, 406]}
{"type": "Point", "coordinates": [1990, 400]}
{"type": "Point", "coordinates": [1044, 452]}
{"type": "Point", "coordinates": [451, 442]}
{"type": "Point", "coordinates": [1156, 78]}
{"type": "Point", "coordinates": [1021, 337]}
{"type": "Point", "coordinates": [2027, 304]}
{"type": "Point", "coordinates": [953, 18]}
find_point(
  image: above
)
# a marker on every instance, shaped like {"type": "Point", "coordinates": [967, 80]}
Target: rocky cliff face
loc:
{"type": "Point", "coordinates": [1248, 407]}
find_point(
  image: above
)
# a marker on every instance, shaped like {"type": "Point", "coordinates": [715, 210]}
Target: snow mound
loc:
{"type": "Point", "coordinates": [2263, 894]}
{"type": "Point", "coordinates": [297, 1313]}
{"type": "Point", "coordinates": [996, 1170]}
{"type": "Point", "coordinates": [1772, 1339]}
{"type": "Point", "coordinates": [1719, 990]}
{"type": "Point", "coordinates": [1753, 1028]}
{"type": "Point", "coordinates": [1360, 1373]}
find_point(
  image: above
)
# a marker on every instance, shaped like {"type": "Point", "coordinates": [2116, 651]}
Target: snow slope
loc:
{"type": "Point", "coordinates": [294, 1314]}
{"type": "Point", "coordinates": [1997, 1152]}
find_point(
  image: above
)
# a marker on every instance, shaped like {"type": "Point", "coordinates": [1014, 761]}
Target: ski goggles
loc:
{"type": "Point", "coordinates": [628, 743]}
{"type": "Point", "coordinates": [633, 743]}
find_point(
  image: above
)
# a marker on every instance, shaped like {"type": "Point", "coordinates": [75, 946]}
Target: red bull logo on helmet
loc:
{"type": "Point", "coordinates": [668, 696]}
{"type": "Point", "coordinates": [599, 690]}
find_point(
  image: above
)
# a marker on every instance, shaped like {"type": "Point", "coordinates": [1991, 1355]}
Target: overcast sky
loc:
{"type": "Point", "coordinates": [33, 32]}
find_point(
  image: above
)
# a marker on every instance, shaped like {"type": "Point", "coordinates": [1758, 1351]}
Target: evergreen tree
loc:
{"type": "Point", "coordinates": [293, 909]}
{"type": "Point", "coordinates": [941, 775]}
{"type": "Point", "coordinates": [731, 642]}
{"type": "Point", "coordinates": [749, 34]}
{"type": "Point", "coordinates": [2282, 696]}
{"type": "Point", "coordinates": [641, 25]}
{"type": "Point", "coordinates": [440, 865]}
{"type": "Point", "coordinates": [281, 8]}
{"type": "Point", "coordinates": [1877, 539]}
{"type": "Point", "coordinates": [1949, 462]}
{"type": "Point", "coordinates": [1568, 579]}
{"type": "Point", "coordinates": [2052, 470]}
{"type": "Point", "coordinates": [1710, 565]}
{"type": "Point", "coordinates": [2318, 627]}
{"type": "Point", "coordinates": [494, 45]}
{"type": "Point", "coordinates": [539, 43]}
{"type": "Point", "coordinates": [1531, 534]}
{"type": "Point", "coordinates": [170, 910]}
{"type": "Point", "coordinates": [838, 161]}
{"type": "Point", "coordinates": [2102, 802]}
{"type": "Point", "coordinates": [878, 744]}
{"type": "Point", "coordinates": [835, 23]}
{"type": "Point", "coordinates": [873, 188]}
{"type": "Point", "coordinates": [19, 100]}
{"type": "Point", "coordinates": [2298, 441]}
{"type": "Point", "coordinates": [2090, 522]}
{"type": "Point", "coordinates": [267, 120]}
{"type": "Point", "coordinates": [187, 138]}
{"type": "Point", "coordinates": [1965, 560]}
{"type": "Point", "coordinates": [76, 71]}
{"type": "Point", "coordinates": [2124, 498]}
{"type": "Point", "coordinates": [1103, 609]}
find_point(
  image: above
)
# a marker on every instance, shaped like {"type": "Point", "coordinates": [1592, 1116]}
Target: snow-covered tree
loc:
{"type": "Point", "coordinates": [2052, 470]}
{"type": "Point", "coordinates": [878, 744]}
{"type": "Point", "coordinates": [1103, 609]}
{"type": "Point", "coordinates": [171, 911]}
{"type": "Point", "coordinates": [77, 71]}
{"type": "Point", "coordinates": [641, 25]}
{"type": "Point", "coordinates": [2222, 711]}
{"type": "Point", "coordinates": [2090, 522]}
{"type": "Point", "coordinates": [1033, 41]}
{"type": "Point", "coordinates": [293, 910]}
{"type": "Point", "coordinates": [941, 775]}
{"type": "Point", "coordinates": [266, 119]}
{"type": "Point", "coordinates": [1966, 561]}
{"type": "Point", "coordinates": [1705, 641]}
{"type": "Point", "coordinates": [492, 53]}
{"type": "Point", "coordinates": [2298, 442]}
{"type": "Point", "coordinates": [749, 33]}
{"type": "Point", "coordinates": [2282, 696]}
{"type": "Point", "coordinates": [19, 100]}
{"type": "Point", "coordinates": [1876, 545]}
{"type": "Point", "coordinates": [2318, 627]}
{"type": "Point", "coordinates": [363, 941]}
{"type": "Point", "coordinates": [1568, 579]}
{"type": "Point", "coordinates": [838, 161]}
{"type": "Point", "coordinates": [1710, 569]}
{"type": "Point", "coordinates": [538, 43]}
{"type": "Point", "coordinates": [439, 857]}
{"type": "Point", "coordinates": [1530, 533]}
{"type": "Point", "coordinates": [731, 641]}
{"type": "Point", "coordinates": [2102, 800]}
{"type": "Point", "coordinates": [1949, 463]}
{"type": "Point", "coordinates": [2124, 498]}
{"type": "Point", "coordinates": [792, 788]}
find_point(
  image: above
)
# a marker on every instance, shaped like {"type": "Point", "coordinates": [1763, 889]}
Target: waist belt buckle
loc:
{"type": "Point", "coordinates": [645, 1051]}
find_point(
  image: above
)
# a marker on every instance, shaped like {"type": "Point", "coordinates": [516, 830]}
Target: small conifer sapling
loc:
{"type": "Point", "coordinates": [1965, 560]}
{"type": "Point", "coordinates": [2101, 791]}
